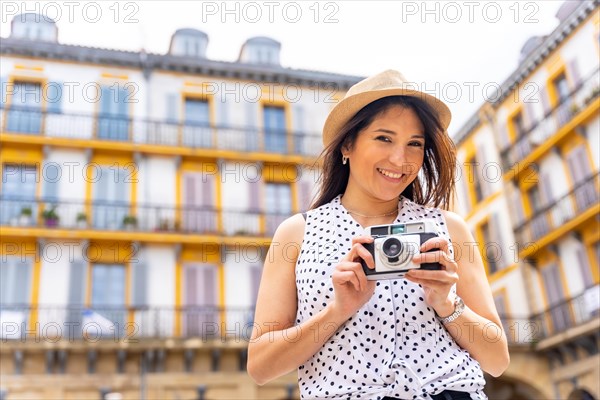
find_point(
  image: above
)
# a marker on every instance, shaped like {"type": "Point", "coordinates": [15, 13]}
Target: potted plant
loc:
{"type": "Point", "coordinates": [25, 217]}
{"type": "Point", "coordinates": [129, 222]}
{"type": "Point", "coordinates": [164, 225]}
{"type": "Point", "coordinates": [81, 220]}
{"type": "Point", "coordinates": [50, 217]}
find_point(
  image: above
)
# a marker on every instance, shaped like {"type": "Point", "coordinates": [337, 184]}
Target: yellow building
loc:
{"type": "Point", "coordinates": [139, 195]}
{"type": "Point", "coordinates": [529, 189]}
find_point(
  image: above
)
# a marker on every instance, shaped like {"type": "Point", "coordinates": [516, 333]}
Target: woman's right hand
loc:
{"type": "Point", "coordinates": [351, 287]}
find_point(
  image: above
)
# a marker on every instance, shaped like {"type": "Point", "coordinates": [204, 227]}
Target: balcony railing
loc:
{"type": "Point", "coordinates": [33, 121]}
{"type": "Point", "coordinates": [581, 198]}
{"type": "Point", "coordinates": [557, 319]}
{"type": "Point", "coordinates": [542, 130]}
{"type": "Point", "coordinates": [125, 323]}
{"type": "Point", "coordinates": [119, 216]}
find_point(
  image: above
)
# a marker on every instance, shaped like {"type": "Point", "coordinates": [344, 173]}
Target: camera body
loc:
{"type": "Point", "coordinates": [395, 246]}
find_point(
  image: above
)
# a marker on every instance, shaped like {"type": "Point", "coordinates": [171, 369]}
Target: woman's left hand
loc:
{"type": "Point", "coordinates": [437, 284]}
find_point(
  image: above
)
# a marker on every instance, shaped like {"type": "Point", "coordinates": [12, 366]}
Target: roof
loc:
{"type": "Point", "coordinates": [166, 62]}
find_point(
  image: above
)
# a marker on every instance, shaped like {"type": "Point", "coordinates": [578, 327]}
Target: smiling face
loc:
{"type": "Point", "coordinates": [386, 157]}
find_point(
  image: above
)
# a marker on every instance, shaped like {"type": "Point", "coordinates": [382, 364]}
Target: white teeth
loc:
{"type": "Point", "coordinates": [390, 174]}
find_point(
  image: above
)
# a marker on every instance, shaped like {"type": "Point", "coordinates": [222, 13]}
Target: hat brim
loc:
{"type": "Point", "coordinates": [349, 106]}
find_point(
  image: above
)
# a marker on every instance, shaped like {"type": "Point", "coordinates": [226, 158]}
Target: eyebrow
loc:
{"type": "Point", "coordinates": [419, 136]}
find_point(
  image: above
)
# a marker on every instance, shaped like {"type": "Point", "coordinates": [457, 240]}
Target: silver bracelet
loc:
{"type": "Point", "coordinates": [459, 308]}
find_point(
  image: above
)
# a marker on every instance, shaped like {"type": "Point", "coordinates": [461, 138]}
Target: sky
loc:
{"type": "Point", "coordinates": [458, 50]}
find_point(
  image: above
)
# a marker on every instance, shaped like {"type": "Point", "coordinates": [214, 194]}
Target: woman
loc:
{"type": "Point", "coordinates": [387, 159]}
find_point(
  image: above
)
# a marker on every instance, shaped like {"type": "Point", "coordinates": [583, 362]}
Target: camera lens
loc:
{"type": "Point", "coordinates": [392, 247]}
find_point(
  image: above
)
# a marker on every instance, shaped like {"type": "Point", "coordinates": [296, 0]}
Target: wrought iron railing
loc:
{"type": "Point", "coordinates": [118, 216]}
{"type": "Point", "coordinates": [94, 323]}
{"type": "Point", "coordinates": [540, 131]}
{"type": "Point", "coordinates": [554, 215]}
{"type": "Point", "coordinates": [34, 121]}
{"type": "Point", "coordinates": [557, 319]}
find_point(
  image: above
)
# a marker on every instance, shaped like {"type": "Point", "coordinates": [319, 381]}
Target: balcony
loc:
{"type": "Point", "coordinates": [125, 323]}
{"type": "Point", "coordinates": [34, 122]}
{"type": "Point", "coordinates": [568, 318]}
{"type": "Point", "coordinates": [145, 218]}
{"type": "Point", "coordinates": [582, 198]}
{"type": "Point", "coordinates": [541, 131]}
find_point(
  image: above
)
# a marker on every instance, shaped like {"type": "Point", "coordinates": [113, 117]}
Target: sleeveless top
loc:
{"type": "Point", "coordinates": [394, 345]}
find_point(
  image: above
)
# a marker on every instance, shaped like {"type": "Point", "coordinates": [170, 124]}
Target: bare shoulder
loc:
{"type": "Point", "coordinates": [289, 235]}
{"type": "Point", "coordinates": [291, 229]}
{"type": "Point", "coordinates": [457, 227]}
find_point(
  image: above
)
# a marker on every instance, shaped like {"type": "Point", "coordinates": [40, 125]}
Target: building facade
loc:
{"type": "Point", "coordinates": [529, 189]}
{"type": "Point", "coordinates": [139, 195]}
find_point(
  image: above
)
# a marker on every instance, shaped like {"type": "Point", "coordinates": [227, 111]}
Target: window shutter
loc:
{"type": "Point", "coordinates": [573, 69]}
{"type": "Point", "coordinates": [255, 275]}
{"type": "Point", "coordinates": [553, 284]}
{"type": "Point", "coordinates": [22, 282]}
{"type": "Point", "coordinates": [252, 141]}
{"type": "Point", "coordinates": [545, 100]}
{"type": "Point", "coordinates": [209, 285]}
{"type": "Point", "coordinates": [484, 181]}
{"type": "Point", "coordinates": [528, 115]}
{"type": "Point", "coordinates": [51, 182]}
{"type": "Point", "coordinates": [5, 272]}
{"type": "Point", "coordinates": [77, 282]}
{"type": "Point", "coordinates": [223, 110]}
{"type": "Point", "coordinates": [503, 139]}
{"type": "Point", "coordinates": [140, 280]}
{"type": "Point", "coordinates": [172, 107]}
{"type": "Point", "coordinates": [207, 185]}
{"type": "Point", "coordinates": [254, 194]}
{"type": "Point", "coordinates": [305, 195]}
{"type": "Point", "coordinates": [579, 164]}
{"type": "Point", "coordinates": [546, 189]}
{"type": "Point", "coordinates": [191, 285]}
{"type": "Point", "coordinates": [54, 94]}
{"type": "Point", "coordinates": [3, 90]}
{"type": "Point", "coordinates": [496, 233]}
{"type": "Point", "coordinates": [584, 266]}
{"type": "Point", "coordinates": [517, 203]}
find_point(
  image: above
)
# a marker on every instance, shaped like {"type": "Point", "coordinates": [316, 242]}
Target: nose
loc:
{"type": "Point", "coordinates": [399, 160]}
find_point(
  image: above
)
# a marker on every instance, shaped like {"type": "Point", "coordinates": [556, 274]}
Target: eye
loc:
{"type": "Point", "coordinates": [383, 138]}
{"type": "Point", "coordinates": [416, 144]}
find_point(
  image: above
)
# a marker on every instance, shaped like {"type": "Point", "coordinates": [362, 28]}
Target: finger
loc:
{"type": "Point", "coordinates": [358, 251]}
{"type": "Point", "coordinates": [435, 243]}
{"type": "Point", "coordinates": [346, 277]}
{"type": "Point", "coordinates": [434, 285]}
{"type": "Point", "coordinates": [362, 239]}
{"type": "Point", "coordinates": [357, 269]}
{"type": "Point", "coordinates": [437, 257]}
{"type": "Point", "coordinates": [444, 277]}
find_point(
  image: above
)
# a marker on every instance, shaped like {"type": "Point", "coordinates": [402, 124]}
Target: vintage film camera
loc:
{"type": "Point", "coordinates": [394, 247]}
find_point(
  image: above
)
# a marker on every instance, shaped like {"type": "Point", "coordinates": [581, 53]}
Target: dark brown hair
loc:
{"type": "Point", "coordinates": [434, 185]}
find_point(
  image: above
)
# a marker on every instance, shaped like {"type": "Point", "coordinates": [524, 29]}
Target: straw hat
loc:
{"type": "Point", "coordinates": [384, 84]}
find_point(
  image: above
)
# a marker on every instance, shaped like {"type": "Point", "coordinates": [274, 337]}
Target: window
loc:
{"type": "Point", "coordinates": [278, 204]}
{"type": "Point", "coordinates": [490, 249]}
{"type": "Point", "coordinates": [200, 296]}
{"type": "Point", "coordinates": [113, 122]}
{"type": "Point", "coordinates": [535, 199]}
{"type": "Point", "coordinates": [111, 198]}
{"type": "Point", "coordinates": [197, 132]}
{"type": "Point", "coordinates": [474, 178]}
{"type": "Point", "coordinates": [562, 88]}
{"type": "Point", "coordinates": [24, 115]}
{"type": "Point", "coordinates": [518, 126]}
{"type": "Point", "coordinates": [18, 206]}
{"type": "Point", "coordinates": [275, 130]}
{"type": "Point", "coordinates": [108, 299]}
